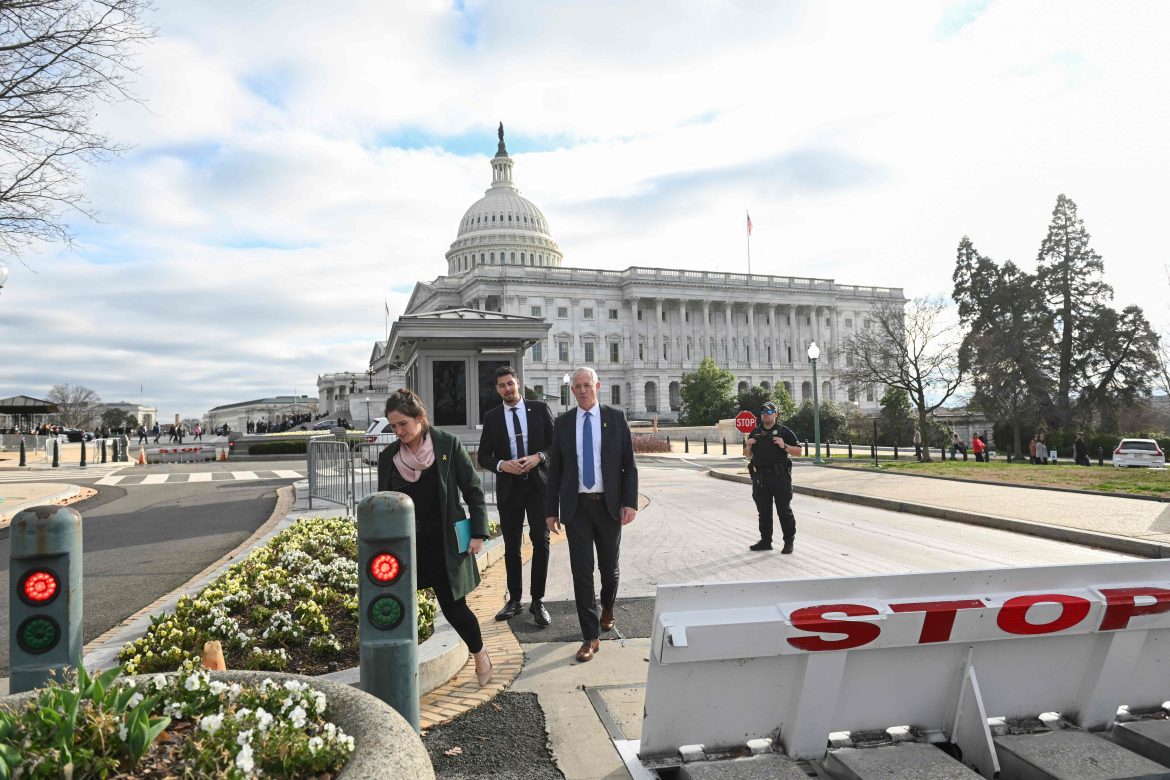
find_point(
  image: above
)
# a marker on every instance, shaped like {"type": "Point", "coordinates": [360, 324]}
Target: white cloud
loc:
{"type": "Point", "coordinates": [250, 237]}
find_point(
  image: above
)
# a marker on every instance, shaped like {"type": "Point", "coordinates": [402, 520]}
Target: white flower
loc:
{"type": "Point", "coordinates": [244, 759]}
{"type": "Point", "coordinates": [123, 732]}
{"type": "Point", "coordinates": [319, 701]}
{"type": "Point", "coordinates": [297, 717]}
{"type": "Point", "coordinates": [211, 723]}
{"type": "Point", "coordinates": [293, 685]}
{"type": "Point", "coordinates": [193, 683]}
{"type": "Point", "coordinates": [263, 719]}
{"type": "Point", "coordinates": [134, 700]}
{"type": "Point", "coordinates": [315, 744]}
{"type": "Point", "coordinates": [330, 731]}
{"type": "Point", "coordinates": [245, 738]}
{"type": "Point", "coordinates": [217, 687]}
{"type": "Point", "coordinates": [160, 681]}
{"type": "Point", "coordinates": [242, 713]}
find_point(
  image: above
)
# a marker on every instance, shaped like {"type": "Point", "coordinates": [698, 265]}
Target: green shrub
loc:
{"type": "Point", "coordinates": [278, 448]}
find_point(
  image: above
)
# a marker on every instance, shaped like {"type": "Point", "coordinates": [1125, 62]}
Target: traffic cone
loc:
{"type": "Point", "coordinates": [142, 456]}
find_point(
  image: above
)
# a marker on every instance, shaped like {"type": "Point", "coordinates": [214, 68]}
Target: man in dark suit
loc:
{"type": "Point", "coordinates": [593, 485]}
{"type": "Point", "coordinates": [515, 444]}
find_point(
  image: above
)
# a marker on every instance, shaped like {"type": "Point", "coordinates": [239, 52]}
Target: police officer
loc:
{"type": "Point", "coordinates": [769, 447]}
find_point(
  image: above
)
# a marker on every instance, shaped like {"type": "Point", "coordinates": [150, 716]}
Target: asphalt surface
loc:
{"type": "Point", "coordinates": [634, 617]}
{"type": "Point", "coordinates": [142, 542]}
{"type": "Point", "coordinates": [503, 739]}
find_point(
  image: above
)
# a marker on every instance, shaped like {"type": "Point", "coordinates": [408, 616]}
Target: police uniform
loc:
{"type": "Point", "coordinates": [771, 471]}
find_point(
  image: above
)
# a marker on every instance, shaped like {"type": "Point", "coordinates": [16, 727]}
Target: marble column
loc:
{"type": "Point", "coordinates": [729, 336]}
{"type": "Point", "coordinates": [659, 334]}
{"type": "Point", "coordinates": [706, 350]}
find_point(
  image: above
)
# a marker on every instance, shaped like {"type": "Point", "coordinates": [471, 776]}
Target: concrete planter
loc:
{"type": "Point", "coordinates": [385, 746]}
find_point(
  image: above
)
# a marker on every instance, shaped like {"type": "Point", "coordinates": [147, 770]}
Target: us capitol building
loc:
{"type": "Point", "coordinates": [641, 328]}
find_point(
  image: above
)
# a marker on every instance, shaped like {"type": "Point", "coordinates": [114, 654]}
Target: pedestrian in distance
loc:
{"type": "Point", "coordinates": [977, 446]}
{"type": "Point", "coordinates": [433, 468]}
{"type": "Point", "coordinates": [593, 488]}
{"type": "Point", "coordinates": [770, 448]}
{"type": "Point", "coordinates": [157, 432]}
{"type": "Point", "coordinates": [956, 444]}
{"type": "Point", "coordinates": [917, 444]}
{"type": "Point", "coordinates": [1041, 451]}
{"type": "Point", "coordinates": [142, 434]}
{"type": "Point", "coordinates": [1032, 448]}
{"type": "Point", "coordinates": [1081, 451]}
{"type": "Point", "coordinates": [198, 432]}
{"type": "Point", "coordinates": [514, 445]}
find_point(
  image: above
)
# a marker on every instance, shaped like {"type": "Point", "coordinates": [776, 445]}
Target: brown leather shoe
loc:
{"type": "Point", "coordinates": [588, 649]}
{"type": "Point", "coordinates": [607, 619]}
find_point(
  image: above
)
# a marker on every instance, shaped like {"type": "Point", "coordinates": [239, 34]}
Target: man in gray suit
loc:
{"type": "Point", "coordinates": [593, 485]}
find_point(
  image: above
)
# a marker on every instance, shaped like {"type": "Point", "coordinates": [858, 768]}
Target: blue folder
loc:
{"type": "Point", "coordinates": [463, 533]}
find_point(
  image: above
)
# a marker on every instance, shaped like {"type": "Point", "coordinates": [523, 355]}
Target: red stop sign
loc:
{"type": "Point", "coordinates": [745, 422]}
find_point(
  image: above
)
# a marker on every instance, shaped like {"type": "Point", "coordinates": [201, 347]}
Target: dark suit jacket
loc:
{"type": "Point", "coordinates": [619, 473]}
{"type": "Point", "coordinates": [494, 446]}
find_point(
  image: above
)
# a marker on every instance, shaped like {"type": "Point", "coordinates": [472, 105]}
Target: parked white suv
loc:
{"type": "Point", "coordinates": [377, 433]}
{"type": "Point", "coordinates": [1139, 453]}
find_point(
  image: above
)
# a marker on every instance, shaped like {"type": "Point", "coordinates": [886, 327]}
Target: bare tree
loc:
{"type": "Point", "coordinates": [77, 405]}
{"type": "Point", "coordinates": [57, 57]}
{"type": "Point", "coordinates": [911, 349]}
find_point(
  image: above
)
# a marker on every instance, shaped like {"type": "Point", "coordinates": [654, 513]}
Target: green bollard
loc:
{"type": "Point", "coordinates": [388, 611]}
{"type": "Point", "coordinates": [56, 453]}
{"type": "Point", "coordinates": [45, 595]}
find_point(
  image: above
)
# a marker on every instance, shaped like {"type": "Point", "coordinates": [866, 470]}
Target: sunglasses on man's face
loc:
{"type": "Point", "coordinates": [767, 411]}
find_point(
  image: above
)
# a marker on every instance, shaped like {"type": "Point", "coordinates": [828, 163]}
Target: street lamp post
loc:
{"type": "Point", "coordinates": [814, 352]}
{"type": "Point", "coordinates": [565, 380]}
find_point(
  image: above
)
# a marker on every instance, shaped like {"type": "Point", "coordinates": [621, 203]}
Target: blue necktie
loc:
{"type": "Point", "coordinates": [587, 477]}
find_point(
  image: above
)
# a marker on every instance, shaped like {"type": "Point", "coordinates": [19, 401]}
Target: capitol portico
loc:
{"type": "Point", "coordinates": [641, 328]}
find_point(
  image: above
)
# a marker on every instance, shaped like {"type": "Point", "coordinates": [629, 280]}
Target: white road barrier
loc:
{"type": "Point", "coordinates": [795, 660]}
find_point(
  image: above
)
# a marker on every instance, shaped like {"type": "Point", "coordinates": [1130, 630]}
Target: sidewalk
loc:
{"type": "Point", "coordinates": [17, 497]}
{"type": "Point", "coordinates": [1125, 525]}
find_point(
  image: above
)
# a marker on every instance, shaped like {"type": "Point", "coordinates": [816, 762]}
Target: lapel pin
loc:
{"type": "Point", "coordinates": [444, 457]}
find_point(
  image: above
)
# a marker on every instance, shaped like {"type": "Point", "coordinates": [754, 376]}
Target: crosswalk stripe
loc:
{"type": "Point", "coordinates": [200, 476]}
{"type": "Point", "coordinates": [286, 474]}
{"type": "Point", "coordinates": [245, 475]}
{"type": "Point", "coordinates": [154, 479]}
{"type": "Point", "coordinates": [111, 480]}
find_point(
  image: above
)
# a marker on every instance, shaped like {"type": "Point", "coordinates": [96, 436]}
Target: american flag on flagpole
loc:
{"type": "Point", "coordinates": [749, 224]}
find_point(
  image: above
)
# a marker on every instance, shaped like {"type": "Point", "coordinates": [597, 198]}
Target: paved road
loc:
{"type": "Point", "coordinates": [696, 528]}
{"type": "Point", "coordinates": [142, 541]}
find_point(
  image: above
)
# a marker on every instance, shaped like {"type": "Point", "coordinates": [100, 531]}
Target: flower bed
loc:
{"type": "Point", "coordinates": [291, 605]}
{"type": "Point", "coordinates": [185, 725]}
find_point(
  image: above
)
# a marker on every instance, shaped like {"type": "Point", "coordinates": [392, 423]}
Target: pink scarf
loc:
{"type": "Point", "coordinates": [411, 464]}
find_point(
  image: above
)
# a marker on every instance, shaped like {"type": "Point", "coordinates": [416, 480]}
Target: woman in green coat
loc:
{"type": "Point", "coordinates": [433, 468]}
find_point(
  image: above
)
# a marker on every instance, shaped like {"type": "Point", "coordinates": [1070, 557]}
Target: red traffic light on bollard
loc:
{"type": "Point", "coordinates": [45, 598]}
{"type": "Point", "coordinates": [386, 611]}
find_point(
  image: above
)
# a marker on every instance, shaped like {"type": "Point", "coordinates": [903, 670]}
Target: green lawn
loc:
{"type": "Point", "coordinates": [1145, 482]}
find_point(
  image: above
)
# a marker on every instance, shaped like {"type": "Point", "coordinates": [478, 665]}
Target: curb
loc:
{"type": "Point", "coordinates": [68, 492]}
{"type": "Point", "coordinates": [1078, 491]}
{"type": "Point", "coordinates": [1121, 544]}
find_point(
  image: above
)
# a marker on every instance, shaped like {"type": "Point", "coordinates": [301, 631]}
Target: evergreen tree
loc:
{"type": "Point", "coordinates": [834, 423]}
{"type": "Point", "coordinates": [975, 286]}
{"type": "Point", "coordinates": [1069, 274]}
{"type": "Point", "coordinates": [1120, 366]}
{"type": "Point", "coordinates": [896, 419]}
{"type": "Point", "coordinates": [706, 394]}
{"type": "Point", "coordinates": [753, 398]}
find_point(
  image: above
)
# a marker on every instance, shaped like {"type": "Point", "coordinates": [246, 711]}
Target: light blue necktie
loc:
{"type": "Point", "coordinates": [587, 477]}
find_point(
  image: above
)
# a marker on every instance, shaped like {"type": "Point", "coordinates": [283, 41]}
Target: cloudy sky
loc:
{"type": "Point", "coordinates": [295, 164]}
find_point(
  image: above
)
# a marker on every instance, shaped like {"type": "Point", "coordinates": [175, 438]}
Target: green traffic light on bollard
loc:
{"type": "Point", "coordinates": [388, 612]}
{"type": "Point", "coordinates": [45, 595]}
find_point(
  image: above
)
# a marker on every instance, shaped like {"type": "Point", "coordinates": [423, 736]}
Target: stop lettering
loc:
{"type": "Point", "coordinates": [745, 422]}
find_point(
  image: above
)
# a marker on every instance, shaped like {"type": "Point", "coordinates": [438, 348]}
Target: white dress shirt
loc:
{"type": "Point", "coordinates": [520, 408]}
{"type": "Point", "coordinates": [595, 423]}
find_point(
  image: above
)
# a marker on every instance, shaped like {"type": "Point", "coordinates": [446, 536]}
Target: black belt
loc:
{"type": "Point", "coordinates": [591, 496]}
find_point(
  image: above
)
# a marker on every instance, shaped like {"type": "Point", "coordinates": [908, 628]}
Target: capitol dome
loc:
{"type": "Point", "coordinates": [503, 227]}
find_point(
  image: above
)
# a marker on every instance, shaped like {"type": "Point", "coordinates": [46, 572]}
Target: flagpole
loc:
{"type": "Point", "coordinates": [749, 242]}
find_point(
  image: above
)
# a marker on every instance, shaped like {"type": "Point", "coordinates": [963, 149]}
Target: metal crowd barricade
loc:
{"type": "Point", "coordinates": [365, 470]}
{"type": "Point", "coordinates": [331, 473]}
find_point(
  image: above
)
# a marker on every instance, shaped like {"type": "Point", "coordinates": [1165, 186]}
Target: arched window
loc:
{"type": "Point", "coordinates": [512, 260]}
{"type": "Point", "coordinates": [481, 258]}
{"type": "Point", "coordinates": [493, 258]}
{"type": "Point", "coordinates": [521, 258]}
{"type": "Point", "coordinates": [493, 217]}
{"type": "Point", "coordinates": [509, 217]}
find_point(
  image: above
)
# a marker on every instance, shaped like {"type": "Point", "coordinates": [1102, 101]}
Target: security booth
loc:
{"type": "Point", "coordinates": [450, 359]}
{"type": "Point", "coordinates": [25, 413]}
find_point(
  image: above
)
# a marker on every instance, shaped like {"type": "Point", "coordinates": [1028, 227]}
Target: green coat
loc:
{"type": "Point", "coordinates": [456, 476]}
